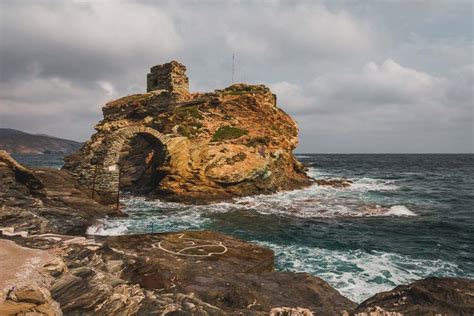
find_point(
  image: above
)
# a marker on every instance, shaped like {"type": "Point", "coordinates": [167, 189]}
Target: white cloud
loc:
{"type": "Point", "coordinates": [276, 31]}
{"type": "Point", "coordinates": [384, 99]}
{"type": "Point", "coordinates": [124, 29]}
{"type": "Point", "coordinates": [61, 61]}
{"type": "Point", "coordinates": [107, 86]}
{"type": "Point", "coordinates": [374, 85]}
{"type": "Point", "coordinates": [292, 95]}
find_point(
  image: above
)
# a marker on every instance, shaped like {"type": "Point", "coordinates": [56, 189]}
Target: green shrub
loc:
{"type": "Point", "coordinates": [276, 129]}
{"type": "Point", "coordinates": [258, 140]}
{"type": "Point", "coordinates": [188, 111]}
{"type": "Point", "coordinates": [184, 131]}
{"type": "Point", "coordinates": [228, 132]}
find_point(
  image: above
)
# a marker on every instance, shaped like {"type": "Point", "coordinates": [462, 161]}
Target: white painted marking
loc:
{"type": "Point", "coordinates": [192, 241]}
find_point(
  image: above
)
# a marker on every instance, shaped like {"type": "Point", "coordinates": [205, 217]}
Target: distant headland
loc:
{"type": "Point", "coordinates": [17, 142]}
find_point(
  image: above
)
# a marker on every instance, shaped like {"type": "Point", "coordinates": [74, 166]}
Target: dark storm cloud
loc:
{"type": "Point", "coordinates": [358, 76]}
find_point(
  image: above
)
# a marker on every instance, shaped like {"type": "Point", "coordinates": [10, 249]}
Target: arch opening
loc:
{"type": "Point", "coordinates": [134, 161]}
{"type": "Point", "coordinates": [139, 162]}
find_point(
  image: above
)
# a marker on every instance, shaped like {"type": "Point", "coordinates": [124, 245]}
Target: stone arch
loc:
{"type": "Point", "coordinates": [106, 179]}
{"type": "Point", "coordinates": [117, 139]}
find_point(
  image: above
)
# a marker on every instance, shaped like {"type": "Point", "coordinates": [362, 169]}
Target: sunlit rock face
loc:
{"type": "Point", "coordinates": [193, 147]}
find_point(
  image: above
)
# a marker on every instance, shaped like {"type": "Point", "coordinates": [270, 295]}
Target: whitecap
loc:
{"type": "Point", "coordinates": [355, 273]}
{"type": "Point", "coordinates": [399, 210]}
{"type": "Point", "coordinates": [107, 228]}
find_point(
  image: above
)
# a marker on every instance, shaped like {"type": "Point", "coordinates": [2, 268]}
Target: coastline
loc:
{"type": "Point", "coordinates": [92, 246]}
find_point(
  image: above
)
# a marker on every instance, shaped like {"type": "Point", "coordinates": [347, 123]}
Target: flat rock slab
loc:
{"type": "Point", "coordinates": [19, 265]}
{"type": "Point", "coordinates": [226, 272]}
{"type": "Point", "coordinates": [187, 271]}
{"type": "Point", "coordinates": [182, 257]}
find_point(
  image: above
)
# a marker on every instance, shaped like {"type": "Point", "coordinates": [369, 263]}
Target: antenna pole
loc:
{"type": "Point", "coordinates": [232, 68]}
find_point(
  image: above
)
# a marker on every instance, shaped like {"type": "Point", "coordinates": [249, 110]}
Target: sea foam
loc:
{"type": "Point", "coordinates": [399, 210]}
{"type": "Point", "coordinates": [355, 273]}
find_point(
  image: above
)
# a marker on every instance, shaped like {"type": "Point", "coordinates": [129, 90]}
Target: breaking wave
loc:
{"type": "Point", "coordinates": [399, 210]}
{"type": "Point", "coordinates": [357, 274]}
{"type": "Point", "coordinates": [312, 202]}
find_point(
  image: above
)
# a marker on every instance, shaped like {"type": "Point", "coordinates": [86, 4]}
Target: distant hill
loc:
{"type": "Point", "coordinates": [18, 142]}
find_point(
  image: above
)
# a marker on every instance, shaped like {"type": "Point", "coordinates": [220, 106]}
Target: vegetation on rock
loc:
{"type": "Point", "coordinates": [188, 111]}
{"type": "Point", "coordinates": [258, 140]}
{"type": "Point", "coordinates": [228, 132]}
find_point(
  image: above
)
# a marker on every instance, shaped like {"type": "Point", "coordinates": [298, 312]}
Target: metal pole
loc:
{"type": "Point", "coordinates": [118, 190]}
{"type": "Point", "coordinates": [93, 181]}
{"type": "Point", "coordinates": [232, 68]}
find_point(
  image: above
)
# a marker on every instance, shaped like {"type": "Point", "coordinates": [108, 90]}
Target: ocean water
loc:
{"type": "Point", "coordinates": [405, 217]}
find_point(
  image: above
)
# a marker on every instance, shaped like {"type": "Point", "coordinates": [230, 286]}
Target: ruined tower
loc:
{"type": "Point", "coordinates": [170, 76]}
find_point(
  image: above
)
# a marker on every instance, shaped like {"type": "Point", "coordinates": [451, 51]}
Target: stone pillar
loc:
{"type": "Point", "coordinates": [170, 76]}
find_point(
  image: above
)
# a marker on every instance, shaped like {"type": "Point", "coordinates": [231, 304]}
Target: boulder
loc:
{"type": "Point", "coordinates": [430, 296]}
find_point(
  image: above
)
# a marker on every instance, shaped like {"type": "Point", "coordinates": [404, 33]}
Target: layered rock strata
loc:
{"type": "Point", "coordinates": [431, 296]}
{"type": "Point", "coordinates": [45, 200]}
{"type": "Point", "coordinates": [188, 273]}
{"type": "Point", "coordinates": [198, 146]}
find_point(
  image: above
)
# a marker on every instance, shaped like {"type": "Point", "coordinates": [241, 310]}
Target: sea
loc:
{"type": "Point", "coordinates": [405, 217]}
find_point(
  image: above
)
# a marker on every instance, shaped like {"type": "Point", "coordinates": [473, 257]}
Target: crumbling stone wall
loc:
{"type": "Point", "coordinates": [98, 168]}
{"type": "Point", "coordinates": [170, 77]}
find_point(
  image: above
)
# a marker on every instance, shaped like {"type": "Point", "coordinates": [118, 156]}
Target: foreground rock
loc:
{"type": "Point", "coordinates": [195, 273]}
{"type": "Point", "coordinates": [191, 273]}
{"type": "Point", "coordinates": [431, 296]}
{"type": "Point", "coordinates": [190, 146]}
{"type": "Point", "coordinates": [44, 200]}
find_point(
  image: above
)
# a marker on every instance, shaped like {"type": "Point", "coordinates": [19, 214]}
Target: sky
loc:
{"type": "Point", "coordinates": [357, 76]}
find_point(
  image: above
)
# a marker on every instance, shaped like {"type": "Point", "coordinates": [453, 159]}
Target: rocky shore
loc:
{"type": "Point", "coordinates": [49, 266]}
{"type": "Point", "coordinates": [45, 200]}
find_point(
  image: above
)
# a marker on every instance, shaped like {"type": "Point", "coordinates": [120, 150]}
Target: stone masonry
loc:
{"type": "Point", "coordinates": [209, 146]}
{"type": "Point", "coordinates": [170, 77]}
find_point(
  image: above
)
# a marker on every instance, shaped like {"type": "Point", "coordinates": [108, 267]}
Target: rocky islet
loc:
{"type": "Point", "coordinates": [196, 147]}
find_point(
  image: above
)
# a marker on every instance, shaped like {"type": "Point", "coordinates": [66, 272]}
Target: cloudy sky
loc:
{"type": "Point", "coordinates": [358, 76]}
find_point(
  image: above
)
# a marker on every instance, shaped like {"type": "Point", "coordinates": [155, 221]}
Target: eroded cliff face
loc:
{"type": "Point", "coordinates": [213, 146]}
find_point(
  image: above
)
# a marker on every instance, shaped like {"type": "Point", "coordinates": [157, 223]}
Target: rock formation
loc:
{"type": "Point", "coordinates": [44, 200]}
{"type": "Point", "coordinates": [192, 147]}
{"type": "Point", "coordinates": [188, 273]}
{"type": "Point", "coordinates": [431, 296]}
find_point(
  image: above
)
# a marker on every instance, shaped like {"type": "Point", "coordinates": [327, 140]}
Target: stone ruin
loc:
{"type": "Point", "coordinates": [170, 77]}
{"type": "Point", "coordinates": [96, 165]}
{"type": "Point", "coordinates": [178, 145]}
